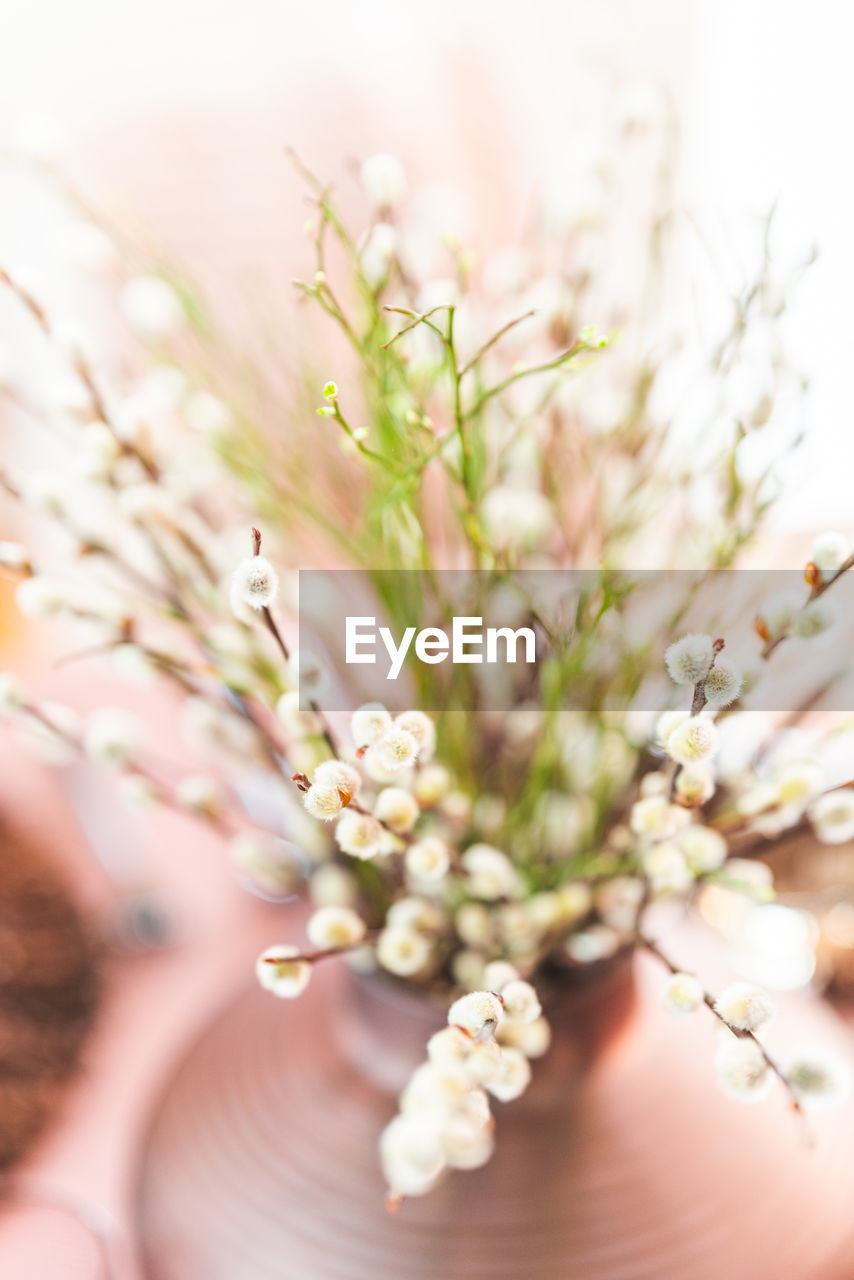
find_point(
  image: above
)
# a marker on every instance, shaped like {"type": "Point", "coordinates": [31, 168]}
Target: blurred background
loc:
{"type": "Point", "coordinates": [170, 121]}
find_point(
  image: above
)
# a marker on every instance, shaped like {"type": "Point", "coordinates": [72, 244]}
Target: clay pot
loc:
{"type": "Point", "coordinates": [622, 1162]}
{"type": "Point", "coordinates": [49, 987]}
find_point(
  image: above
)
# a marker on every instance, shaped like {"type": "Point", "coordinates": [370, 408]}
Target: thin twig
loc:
{"type": "Point", "coordinates": [325, 953]}
{"type": "Point", "coordinates": [817, 590]}
{"type": "Point", "coordinates": [419, 318]}
{"type": "Point", "coordinates": [709, 1000]}
{"type": "Point", "coordinates": [496, 337]}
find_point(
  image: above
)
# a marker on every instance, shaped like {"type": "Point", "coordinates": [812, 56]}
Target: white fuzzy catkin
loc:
{"type": "Point", "coordinates": [415, 913]}
{"type": "Point", "coordinates": [431, 785]}
{"type": "Point", "coordinates": [688, 660]}
{"type": "Point", "coordinates": [42, 597]}
{"type": "Point", "coordinates": [255, 582]}
{"type": "Point", "coordinates": [296, 721]}
{"type": "Point", "coordinates": [451, 1044]}
{"type": "Point", "coordinates": [695, 739]}
{"type": "Point", "coordinates": [666, 723]}
{"type": "Point", "coordinates": [618, 902]}
{"type": "Point", "coordinates": [134, 665]}
{"type": "Point", "coordinates": [704, 850]}
{"type": "Point", "coordinates": [653, 818]}
{"type": "Point", "coordinates": [11, 693]}
{"type": "Point", "coordinates": [599, 942]}
{"type": "Point", "coordinates": [476, 1011]}
{"type": "Point", "coordinates": [489, 872]}
{"type": "Point", "coordinates": [531, 1038]}
{"type": "Point", "coordinates": [484, 1061]}
{"type": "Point", "coordinates": [695, 784]}
{"type": "Point", "coordinates": [369, 723]}
{"type": "Point", "coordinates": [517, 518]}
{"type": "Point", "coordinates": [137, 790]}
{"type": "Point", "coordinates": [403, 951]}
{"type": "Point", "coordinates": [544, 910]}
{"type": "Point", "coordinates": [422, 729]}
{"type": "Point", "coordinates": [396, 809]}
{"type": "Point", "coordinates": [98, 451]}
{"type": "Point", "coordinates": [324, 803]}
{"type": "Point", "coordinates": [359, 834]}
{"type": "Point", "coordinates": [383, 181]}
{"type": "Point", "coordinates": [428, 858]}
{"type": "Point", "coordinates": [474, 924]}
{"type": "Point", "coordinates": [200, 794]}
{"type": "Point", "coordinates": [723, 683]}
{"type": "Point", "coordinates": [341, 776]}
{"type": "Point", "coordinates": [436, 1087]}
{"type": "Point", "coordinates": [829, 552]}
{"type": "Point", "coordinates": [457, 808]}
{"type": "Point", "coordinates": [832, 816]}
{"type": "Point", "coordinates": [335, 927]}
{"type": "Point", "coordinates": [575, 900]}
{"type": "Point", "coordinates": [741, 1069]}
{"type": "Point", "coordinates": [666, 870]}
{"type": "Point", "coordinates": [397, 749]}
{"type": "Point", "coordinates": [207, 414]}
{"type": "Point", "coordinates": [745, 1007]}
{"type": "Point", "coordinates": [153, 308]}
{"type": "Point", "coordinates": [819, 1077]}
{"type": "Point", "coordinates": [798, 781]}
{"type": "Point", "coordinates": [287, 977]}
{"type": "Point", "coordinates": [411, 1154]}
{"type": "Point", "coordinates": [467, 1141]}
{"type": "Point", "coordinates": [212, 730]}
{"type": "Point", "coordinates": [520, 1001]}
{"type": "Point", "coordinates": [498, 973]}
{"type": "Point", "coordinates": [112, 736]}
{"type": "Point", "coordinates": [683, 994]}
{"type": "Point", "coordinates": [263, 860]}
{"type": "Point", "coordinates": [513, 1077]}
{"type": "Point", "coordinates": [467, 969]}
{"type": "Point", "coordinates": [332, 886]}
{"type": "Point", "coordinates": [13, 555]}
{"type": "Point", "coordinates": [377, 252]}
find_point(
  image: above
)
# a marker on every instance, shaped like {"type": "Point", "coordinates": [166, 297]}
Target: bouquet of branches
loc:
{"type": "Point", "coordinates": [477, 421]}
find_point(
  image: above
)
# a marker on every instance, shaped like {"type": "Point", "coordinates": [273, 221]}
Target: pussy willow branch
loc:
{"type": "Point", "coordinates": [325, 953]}
{"type": "Point", "coordinates": [698, 701]}
{"type": "Point", "coordinates": [272, 627]}
{"type": "Point", "coordinates": [755, 844]}
{"type": "Point", "coordinates": [81, 368]}
{"type": "Point", "coordinates": [709, 1000]}
{"type": "Point", "coordinates": [164, 793]}
{"type": "Point", "coordinates": [817, 590]}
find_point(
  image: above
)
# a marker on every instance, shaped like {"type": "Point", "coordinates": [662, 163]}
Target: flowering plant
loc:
{"type": "Point", "coordinates": [495, 857]}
